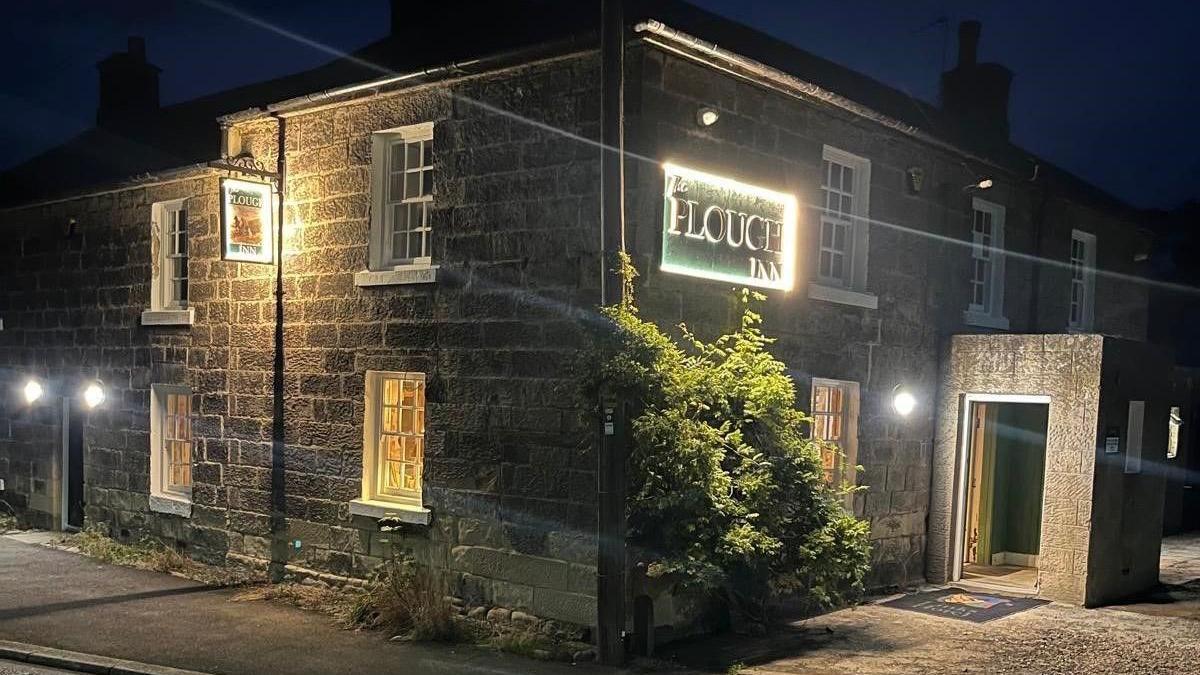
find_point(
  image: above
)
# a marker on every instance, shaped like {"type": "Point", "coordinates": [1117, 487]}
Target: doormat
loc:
{"type": "Point", "coordinates": [955, 603]}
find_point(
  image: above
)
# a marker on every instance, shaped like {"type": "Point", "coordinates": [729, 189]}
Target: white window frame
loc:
{"type": "Point", "coordinates": [377, 501]}
{"type": "Point", "coordinates": [164, 497]}
{"type": "Point", "coordinates": [383, 144]}
{"type": "Point", "coordinates": [1174, 426]}
{"type": "Point", "coordinates": [1083, 281]}
{"type": "Point", "coordinates": [168, 224]}
{"type": "Point", "coordinates": [990, 250]}
{"type": "Point", "coordinates": [849, 441]}
{"type": "Point", "coordinates": [851, 287]}
{"type": "Point", "coordinates": [1133, 436]}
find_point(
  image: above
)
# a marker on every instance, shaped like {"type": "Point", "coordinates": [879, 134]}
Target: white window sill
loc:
{"type": "Point", "coordinates": [985, 320]}
{"type": "Point", "coordinates": [407, 513]}
{"type": "Point", "coordinates": [176, 506]}
{"type": "Point", "coordinates": [169, 317]}
{"type": "Point", "coordinates": [399, 276]}
{"type": "Point", "coordinates": [843, 296]}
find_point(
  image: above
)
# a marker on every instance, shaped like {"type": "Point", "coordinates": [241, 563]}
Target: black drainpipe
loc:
{"type": "Point", "coordinates": [610, 469]}
{"type": "Point", "coordinates": [279, 541]}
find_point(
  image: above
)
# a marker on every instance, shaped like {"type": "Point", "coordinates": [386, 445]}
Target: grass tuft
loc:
{"type": "Point", "coordinates": [148, 554]}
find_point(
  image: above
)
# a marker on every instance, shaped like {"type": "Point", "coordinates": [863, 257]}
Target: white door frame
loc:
{"type": "Point", "coordinates": [64, 504]}
{"type": "Point", "coordinates": [963, 460]}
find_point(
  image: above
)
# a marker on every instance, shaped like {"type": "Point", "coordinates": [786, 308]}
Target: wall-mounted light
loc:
{"type": "Point", "coordinates": [706, 117]}
{"type": "Point", "coordinates": [903, 402]}
{"type": "Point", "coordinates": [93, 394]}
{"type": "Point", "coordinates": [33, 391]}
{"type": "Point", "coordinates": [983, 184]}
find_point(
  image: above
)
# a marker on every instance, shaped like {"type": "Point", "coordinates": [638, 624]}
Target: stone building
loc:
{"type": "Point", "coordinates": [413, 347]}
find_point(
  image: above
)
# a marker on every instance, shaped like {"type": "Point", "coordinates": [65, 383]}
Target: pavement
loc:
{"type": "Point", "coordinates": [64, 601]}
{"type": "Point", "coordinates": [18, 668]}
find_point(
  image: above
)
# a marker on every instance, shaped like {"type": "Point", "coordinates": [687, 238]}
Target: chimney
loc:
{"type": "Point", "coordinates": [975, 95]}
{"type": "Point", "coordinates": [128, 87]}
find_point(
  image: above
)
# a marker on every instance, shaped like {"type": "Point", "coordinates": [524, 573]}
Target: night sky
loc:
{"type": "Point", "coordinates": [1107, 90]}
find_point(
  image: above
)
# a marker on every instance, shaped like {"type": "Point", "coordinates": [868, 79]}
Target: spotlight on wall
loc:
{"type": "Point", "coordinates": [33, 391]}
{"type": "Point", "coordinates": [93, 394]}
{"type": "Point", "coordinates": [903, 402]}
{"type": "Point", "coordinates": [983, 184]}
{"type": "Point", "coordinates": [706, 117]}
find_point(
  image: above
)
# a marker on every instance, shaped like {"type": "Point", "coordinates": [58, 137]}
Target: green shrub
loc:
{"type": "Point", "coordinates": [726, 490]}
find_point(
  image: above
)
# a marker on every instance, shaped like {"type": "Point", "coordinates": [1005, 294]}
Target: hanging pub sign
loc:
{"type": "Point", "coordinates": [247, 221]}
{"type": "Point", "coordinates": [721, 229]}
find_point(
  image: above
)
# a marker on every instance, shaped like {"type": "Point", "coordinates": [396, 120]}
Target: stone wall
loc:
{"type": "Point", "coordinates": [71, 298]}
{"type": "Point", "coordinates": [509, 470]}
{"type": "Point", "coordinates": [1067, 369]}
{"type": "Point", "coordinates": [1127, 511]}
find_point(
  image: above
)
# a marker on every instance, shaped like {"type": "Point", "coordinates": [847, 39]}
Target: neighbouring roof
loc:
{"type": "Point", "coordinates": [187, 132]}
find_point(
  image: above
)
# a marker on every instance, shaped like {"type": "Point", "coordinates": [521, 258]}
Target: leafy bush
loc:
{"type": "Point", "coordinates": [726, 491]}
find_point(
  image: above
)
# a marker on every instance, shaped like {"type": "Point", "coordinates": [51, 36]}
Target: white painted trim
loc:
{"type": "Point", "coordinates": [399, 276]}
{"type": "Point", "coordinates": [372, 468]}
{"type": "Point", "coordinates": [999, 274]}
{"type": "Point", "coordinates": [972, 318]}
{"type": "Point", "coordinates": [169, 317]}
{"type": "Point", "coordinates": [171, 505]}
{"type": "Point", "coordinates": [850, 414]}
{"type": "Point", "coordinates": [1089, 282]}
{"type": "Point", "coordinates": [1134, 430]}
{"type": "Point", "coordinates": [962, 461]}
{"type": "Point", "coordinates": [65, 474]}
{"type": "Point", "coordinates": [1016, 559]}
{"type": "Point", "coordinates": [158, 249]}
{"type": "Point", "coordinates": [157, 393]}
{"type": "Point", "coordinates": [378, 247]}
{"type": "Point", "coordinates": [843, 296]}
{"type": "Point", "coordinates": [408, 513]}
{"type": "Point", "coordinates": [856, 277]}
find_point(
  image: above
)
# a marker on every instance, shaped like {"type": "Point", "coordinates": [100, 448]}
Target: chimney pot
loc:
{"type": "Point", "coordinates": [968, 43]}
{"type": "Point", "coordinates": [128, 87]}
{"type": "Point", "coordinates": [136, 47]}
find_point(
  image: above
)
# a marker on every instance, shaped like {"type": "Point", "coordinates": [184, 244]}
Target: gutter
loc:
{"type": "Point", "coordinates": [765, 75]}
{"type": "Point", "coordinates": [515, 57]}
{"type": "Point", "coordinates": [139, 181]}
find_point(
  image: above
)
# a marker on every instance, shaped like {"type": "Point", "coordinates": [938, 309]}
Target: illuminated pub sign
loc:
{"type": "Point", "coordinates": [247, 221]}
{"type": "Point", "coordinates": [721, 229]}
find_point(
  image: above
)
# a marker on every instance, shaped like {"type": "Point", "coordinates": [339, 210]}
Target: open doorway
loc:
{"type": "Point", "coordinates": [1002, 487]}
{"type": "Point", "coordinates": [72, 465]}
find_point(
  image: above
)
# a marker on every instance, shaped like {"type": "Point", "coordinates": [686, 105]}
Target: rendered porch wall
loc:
{"type": "Point", "coordinates": [1067, 369]}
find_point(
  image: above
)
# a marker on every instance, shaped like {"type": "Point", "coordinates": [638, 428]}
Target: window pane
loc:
{"type": "Point", "coordinates": [391, 391]}
{"type": "Point", "coordinates": [427, 147]}
{"type": "Point", "coordinates": [427, 182]}
{"type": "Point", "coordinates": [413, 150]}
{"type": "Point", "coordinates": [397, 152]}
{"type": "Point", "coordinates": [412, 184]}
{"type": "Point", "coordinates": [847, 179]}
{"type": "Point", "coordinates": [395, 187]}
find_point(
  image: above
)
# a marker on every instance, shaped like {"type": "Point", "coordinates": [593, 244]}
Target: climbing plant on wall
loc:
{"type": "Point", "coordinates": [726, 490]}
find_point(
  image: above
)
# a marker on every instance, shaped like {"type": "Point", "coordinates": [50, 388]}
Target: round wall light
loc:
{"type": "Point", "coordinates": [706, 117]}
{"type": "Point", "coordinates": [93, 394]}
{"type": "Point", "coordinates": [903, 402]}
{"type": "Point", "coordinates": [33, 391]}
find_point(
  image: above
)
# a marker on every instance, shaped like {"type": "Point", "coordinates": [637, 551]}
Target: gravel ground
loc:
{"type": "Point", "coordinates": [1053, 639]}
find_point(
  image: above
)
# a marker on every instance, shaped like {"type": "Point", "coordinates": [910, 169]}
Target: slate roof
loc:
{"type": "Point", "coordinates": [187, 132]}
